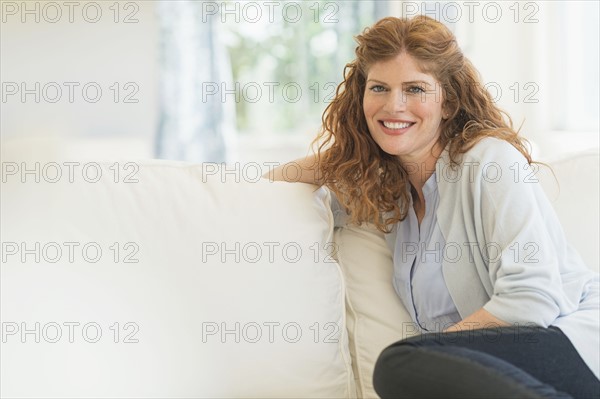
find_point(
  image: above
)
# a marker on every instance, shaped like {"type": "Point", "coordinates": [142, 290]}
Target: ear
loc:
{"type": "Point", "coordinates": [446, 110]}
{"type": "Point", "coordinates": [445, 113]}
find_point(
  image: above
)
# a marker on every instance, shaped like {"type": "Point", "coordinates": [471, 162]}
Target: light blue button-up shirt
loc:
{"type": "Point", "coordinates": [418, 257]}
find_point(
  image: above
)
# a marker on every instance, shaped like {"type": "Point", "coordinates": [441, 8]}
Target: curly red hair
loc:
{"type": "Point", "coordinates": [369, 182]}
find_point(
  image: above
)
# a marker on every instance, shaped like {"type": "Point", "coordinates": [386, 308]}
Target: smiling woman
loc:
{"type": "Point", "coordinates": [410, 108]}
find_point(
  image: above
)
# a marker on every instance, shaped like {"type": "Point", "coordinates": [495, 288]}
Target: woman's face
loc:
{"type": "Point", "coordinates": [403, 108]}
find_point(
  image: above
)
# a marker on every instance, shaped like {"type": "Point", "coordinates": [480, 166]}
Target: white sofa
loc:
{"type": "Point", "coordinates": [165, 279]}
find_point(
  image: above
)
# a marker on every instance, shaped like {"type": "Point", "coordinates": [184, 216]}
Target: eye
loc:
{"type": "Point", "coordinates": [377, 88]}
{"type": "Point", "coordinates": [415, 89]}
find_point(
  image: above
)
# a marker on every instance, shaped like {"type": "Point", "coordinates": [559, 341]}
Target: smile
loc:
{"type": "Point", "coordinates": [397, 125]}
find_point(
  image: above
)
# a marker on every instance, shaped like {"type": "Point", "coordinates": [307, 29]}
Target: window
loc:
{"type": "Point", "coordinates": [287, 60]}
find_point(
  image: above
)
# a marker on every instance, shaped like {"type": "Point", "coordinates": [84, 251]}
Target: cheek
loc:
{"type": "Point", "coordinates": [369, 107]}
{"type": "Point", "coordinates": [431, 112]}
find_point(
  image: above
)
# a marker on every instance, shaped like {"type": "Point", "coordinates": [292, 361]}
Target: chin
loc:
{"type": "Point", "coordinates": [395, 149]}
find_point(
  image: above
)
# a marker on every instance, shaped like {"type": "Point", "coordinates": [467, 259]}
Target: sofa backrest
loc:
{"type": "Point", "coordinates": [574, 191]}
{"type": "Point", "coordinates": [164, 279]}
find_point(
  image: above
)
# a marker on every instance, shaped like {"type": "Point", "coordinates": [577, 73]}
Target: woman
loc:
{"type": "Point", "coordinates": [413, 143]}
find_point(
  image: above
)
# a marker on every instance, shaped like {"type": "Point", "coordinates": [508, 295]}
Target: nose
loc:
{"type": "Point", "coordinates": [395, 101]}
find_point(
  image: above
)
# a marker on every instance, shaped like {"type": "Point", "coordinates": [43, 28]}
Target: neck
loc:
{"type": "Point", "coordinates": [420, 169]}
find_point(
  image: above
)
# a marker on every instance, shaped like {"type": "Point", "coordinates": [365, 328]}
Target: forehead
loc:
{"type": "Point", "coordinates": [402, 67]}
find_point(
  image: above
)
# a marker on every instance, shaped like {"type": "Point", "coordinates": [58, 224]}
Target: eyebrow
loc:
{"type": "Point", "coordinates": [404, 83]}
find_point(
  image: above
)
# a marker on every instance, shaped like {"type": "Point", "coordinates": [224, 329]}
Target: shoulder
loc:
{"type": "Point", "coordinates": [491, 162]}
{"type": "Point", "coordinates": [490, 159]}
{"type": "Point", "coordinates": [492, 149]}
{"type": "Point", "coordinates": [488, 152]}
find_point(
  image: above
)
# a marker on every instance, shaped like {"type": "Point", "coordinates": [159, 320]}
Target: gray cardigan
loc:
{"type": "Point", "coordinates": [505, 249]}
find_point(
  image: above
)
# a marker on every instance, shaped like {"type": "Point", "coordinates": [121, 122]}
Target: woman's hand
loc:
{"type": "Point", "coordinates": [480, 319]}
{"type": "Point", "coordinates": [304, 170]}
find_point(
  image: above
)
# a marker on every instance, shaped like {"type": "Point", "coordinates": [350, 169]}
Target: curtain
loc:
{"type": "Point", "coordinates": [197, 120]}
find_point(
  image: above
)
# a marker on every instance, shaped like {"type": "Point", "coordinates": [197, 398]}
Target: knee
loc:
{"type": "Point", "coordinates": [390, 369]}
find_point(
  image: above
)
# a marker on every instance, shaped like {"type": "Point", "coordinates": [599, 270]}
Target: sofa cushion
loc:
{"type": "Point", "coordinates": [163, 279]}
{"type": "Point", "coordinates": [376, 317]}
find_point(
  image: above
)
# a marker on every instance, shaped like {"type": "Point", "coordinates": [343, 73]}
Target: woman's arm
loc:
{"type": "Point", "coordinates": [521, 239]}
{"type": "Point", "coordinates": [304, 170]}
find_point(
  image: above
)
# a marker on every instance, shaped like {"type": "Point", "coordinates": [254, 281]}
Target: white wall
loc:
{"type": "Point", "coordinates": [83, 52]}
{"type": "Point", "coordinates": [532, 61]}
{"type": "Point", "coordinates": [529, 54]}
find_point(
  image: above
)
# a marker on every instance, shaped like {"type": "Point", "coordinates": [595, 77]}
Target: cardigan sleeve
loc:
{"type": "Point", "coordinates": [523, 240]}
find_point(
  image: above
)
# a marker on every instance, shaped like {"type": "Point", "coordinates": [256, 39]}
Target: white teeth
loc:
{"type": "Point", "coordinates": [396, 125]}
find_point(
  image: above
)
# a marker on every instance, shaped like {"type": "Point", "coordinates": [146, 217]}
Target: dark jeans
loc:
{"type": "Point", "coordinates": [507, 362]}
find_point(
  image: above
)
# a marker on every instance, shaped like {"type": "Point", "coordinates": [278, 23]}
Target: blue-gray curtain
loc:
{"type": "Point", "coordinates": [193, 125]}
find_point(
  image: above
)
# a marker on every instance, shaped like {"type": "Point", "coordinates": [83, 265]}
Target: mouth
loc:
{"type": "Point", "coordinates": [395, 127]}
